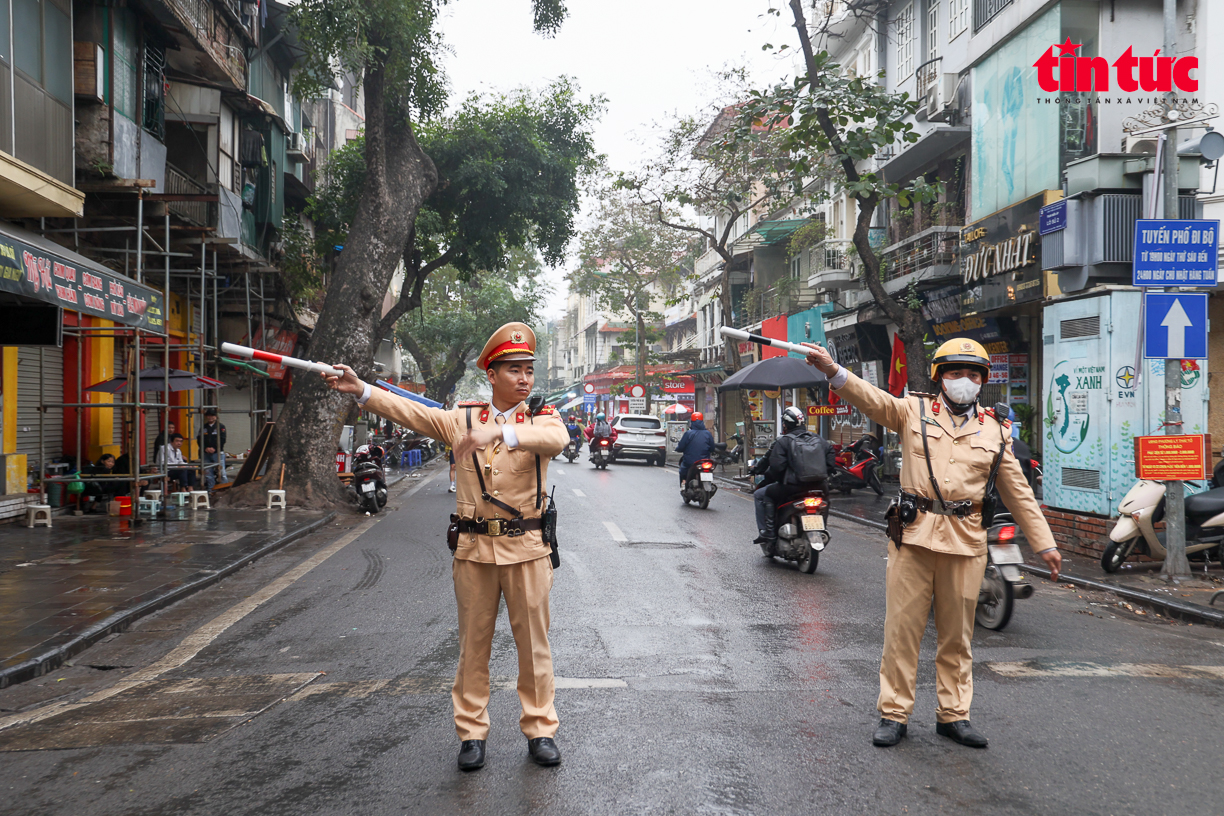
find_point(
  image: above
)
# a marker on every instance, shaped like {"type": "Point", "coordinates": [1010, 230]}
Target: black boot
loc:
{"type": "Point", "coordinates": [471, 755]}
{"type": "Point", "coordinates": [770, 533]}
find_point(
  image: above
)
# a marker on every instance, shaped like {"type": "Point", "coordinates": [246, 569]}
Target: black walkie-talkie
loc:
{"type": "Point", "coordinates": [548, 529]}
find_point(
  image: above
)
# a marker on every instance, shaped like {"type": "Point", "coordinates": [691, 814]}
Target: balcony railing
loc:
{"type": "Point", "coordinates": [926, 75]}
{"type": "Point", "coordinates": [986, 10]}
{"type": "Point", "coordinates": [933, 247]}
{"type": "Point", "coordinates": [179, 183]}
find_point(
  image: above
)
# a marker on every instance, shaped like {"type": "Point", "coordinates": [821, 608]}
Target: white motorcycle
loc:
{"type": "Point", "coordinates": [1144, 505]}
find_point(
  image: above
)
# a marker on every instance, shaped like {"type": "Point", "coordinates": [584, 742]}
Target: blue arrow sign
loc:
{"type": "Point", "coordinates": [1175, 326]}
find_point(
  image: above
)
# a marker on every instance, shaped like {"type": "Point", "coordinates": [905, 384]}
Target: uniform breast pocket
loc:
{"type": "Point", "coordinates": [520, 461]}
{"type": "Point", "coordinates": [982, 454]}
{"type": "Point", "coordinates": [934, 435]}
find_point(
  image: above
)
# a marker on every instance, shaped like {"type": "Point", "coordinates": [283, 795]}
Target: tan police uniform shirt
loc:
{"type": "Point", "coordinates": [509, 474]}
{"type": "Point", "coordinates": [961, 458]}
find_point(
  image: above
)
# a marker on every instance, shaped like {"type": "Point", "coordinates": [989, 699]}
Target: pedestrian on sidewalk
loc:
{"type": "Point", "coordinates": [502, 453]}
{"type": "Point", "coordinates": [949, 445]}
{"type": "Point", "coordinates": [212, 445]}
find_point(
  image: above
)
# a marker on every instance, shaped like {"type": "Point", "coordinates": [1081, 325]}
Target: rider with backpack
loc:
{"type": "Point", "coordinates": [600, 429]}
{"type": "Point", "coordinates": [798, 461]}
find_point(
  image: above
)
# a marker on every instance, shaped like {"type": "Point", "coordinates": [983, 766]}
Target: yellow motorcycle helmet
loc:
{"type": "Point", "coordinates": [961, 351]}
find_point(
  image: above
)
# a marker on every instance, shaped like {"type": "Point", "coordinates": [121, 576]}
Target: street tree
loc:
{"type": "Point", "coordinates": [392, 46]}
{"type": "Point", "coordinates": [458, 313]}
{"type": "Point", "coordinates": [827, 119]}
{"type": "Point", "coordinates": [629, 260]}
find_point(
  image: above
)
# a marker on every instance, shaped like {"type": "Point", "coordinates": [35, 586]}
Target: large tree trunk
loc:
{"type": "Point", "coordinates": [399, 177]}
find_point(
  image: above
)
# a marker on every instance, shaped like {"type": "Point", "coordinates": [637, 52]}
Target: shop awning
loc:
{"type": "Point", "coordinates": [39, 269]}
{"type": "Point", "coordinates": [769, 233]}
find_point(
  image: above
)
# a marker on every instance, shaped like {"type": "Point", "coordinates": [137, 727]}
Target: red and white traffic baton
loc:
{"type": "Point", "coordinates": [747, 337]}
{"type": "Point", "coordinates": [269, 357]}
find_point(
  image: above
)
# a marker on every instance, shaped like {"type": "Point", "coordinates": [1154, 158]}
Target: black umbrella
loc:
{"type": "Point", "coordinates": [155, 379]}
{"type": "Point", "coordinates": [774, 373]}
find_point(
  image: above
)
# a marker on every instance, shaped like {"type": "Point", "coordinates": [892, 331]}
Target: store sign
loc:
{"type": "Point", "coordinates": [30, 271]}
{"type": "Point", "coordinates": [995, 259]}
{"type": "Point", "coordinates": [277, 341]}
{"type": "Point", "coordinates": [828, 410]}
{"type": "Point", "coordinates": [1173, 458]}
{"type": "Point", "coordinates": [677, 385]}
{"type": "Point", "coordinates": [1001, 258]}
{"type": "Point", "coordinates": [1000, 368]}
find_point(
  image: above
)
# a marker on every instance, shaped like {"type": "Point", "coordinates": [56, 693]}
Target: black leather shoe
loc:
{"type": "Point", "coordinates": [888, 733]}
{"type": "Point", "coordinates": [961, 731]}
{"type": "Point", "coordinates": [544, 751]}
{"type": "Point", "coordinates": [471, 755]}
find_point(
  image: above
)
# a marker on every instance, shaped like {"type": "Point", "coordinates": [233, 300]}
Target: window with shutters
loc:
{"type": "Point", "coordinates": [932, 30]}
{"type": "Point", "coordinates": [906, 35]}
{"type": "Point", "coordinates": [958, 18]}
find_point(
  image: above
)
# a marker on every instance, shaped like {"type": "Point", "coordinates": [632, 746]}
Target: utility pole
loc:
{"type": "Point", "coordinates": [1175, 563]}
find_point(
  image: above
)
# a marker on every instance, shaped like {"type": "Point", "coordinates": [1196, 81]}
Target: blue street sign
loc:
{"type": "Point", "coordinates": [588, 400]}
{"type": "Point", "coordinates": [1052, 217]}
{"type": "Point", "coordinates": [1171, 252]}
{"type": "Point", "coordinates": [1175, 327]}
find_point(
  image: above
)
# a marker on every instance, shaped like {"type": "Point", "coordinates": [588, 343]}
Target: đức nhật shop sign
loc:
{"type": "Point", "coordinates": [36, 273]}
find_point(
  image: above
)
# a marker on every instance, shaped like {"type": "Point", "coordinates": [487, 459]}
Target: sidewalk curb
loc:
{"type": "Point", "coordinates": [54, 658]}
{"type": "Point", "coordinates": [1196, 613]}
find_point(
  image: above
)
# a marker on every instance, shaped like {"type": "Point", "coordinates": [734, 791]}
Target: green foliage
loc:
{"type": "Point", "coordinates": [509, 174]}
{"type": "Point", "coordinates": [809, 235]}
{"type": "Point", "coordinates": [301, 263]}
{"type": "Point", "coordinates": [792, 117]}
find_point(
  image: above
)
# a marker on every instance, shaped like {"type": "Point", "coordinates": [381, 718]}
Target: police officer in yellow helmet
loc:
{"type": "Point", "coordinates": [950, 445]}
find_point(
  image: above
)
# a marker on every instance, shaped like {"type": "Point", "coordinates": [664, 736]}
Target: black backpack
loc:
{"type": "Point", "coordinates": [808, 459]}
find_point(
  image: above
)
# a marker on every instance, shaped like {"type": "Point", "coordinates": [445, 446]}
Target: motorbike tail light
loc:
{"type": "Point", "coordinates": [812, 504]}
{"type": "Point", "coordinates": [603, 442]}
{"type": "Point", "coordinates": [707, 465]}
{"type": "Point", "coordinates": [1007, 533]}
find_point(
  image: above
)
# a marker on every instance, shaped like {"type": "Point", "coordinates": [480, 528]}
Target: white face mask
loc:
{"type": "Point", "coordinates": [962, 390]}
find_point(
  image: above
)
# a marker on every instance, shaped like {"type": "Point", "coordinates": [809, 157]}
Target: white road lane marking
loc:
{"type": "Point", "coordinates": [559, 471]}
{"type": "Point", "coordinates": [617, 535]}
{"type": "Point", "coordinates": [1034, 669]}
{"type": "Point", "coordinates": [579, 493]}
{"type": "Point", "coordinates": [206, 634]}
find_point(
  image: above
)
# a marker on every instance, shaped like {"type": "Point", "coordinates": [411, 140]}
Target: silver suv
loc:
{"type": "Point", "coordinates": [640, 437]}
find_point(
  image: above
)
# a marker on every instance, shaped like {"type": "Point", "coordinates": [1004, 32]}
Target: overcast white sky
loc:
{"type": "Point", "coordinates": [650, 58]}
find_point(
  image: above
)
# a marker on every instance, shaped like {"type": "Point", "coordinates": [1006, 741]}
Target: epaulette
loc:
{"type": "Point", "coordinates": [546, 410]}
{"type": "Point", "coordinates": [921, 394]}
{"type": "Point", "coordinates": [472, 403]}
{"type": "Point", "coordinates": [1004, 421]}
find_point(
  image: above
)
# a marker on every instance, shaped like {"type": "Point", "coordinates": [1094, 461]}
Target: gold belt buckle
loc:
{"type": "Point", "coordinates": [494, 526]}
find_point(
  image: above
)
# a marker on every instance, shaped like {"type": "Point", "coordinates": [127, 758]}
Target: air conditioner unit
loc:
{"type": "Point", "coordinates": [941, 98]}
{"type": "Point", "coordinates": [299, 144]}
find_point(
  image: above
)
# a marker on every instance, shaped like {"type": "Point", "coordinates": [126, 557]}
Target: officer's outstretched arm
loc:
{"type": "Point", "coordinates": [433, 422]}
{"type": "Point", "coordinates": [881, 406]}
{"type": "Point", "coordinates": [1019, 498]}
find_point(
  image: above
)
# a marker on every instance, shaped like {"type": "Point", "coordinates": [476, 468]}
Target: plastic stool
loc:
{"type": "Point", "coordinates": [179, 499]}
{"type": "Point", "coordinates": [150, 506]}
{"type": "Point", "coordinates": [414, 458]}
{"type": "Point", "coordinates": [37, 514]}
{"type": "Point", "coordinates": [199, 498]}
{"type": "Point", "coordinates": [155, 495]}
{"type": "Point", "coordinates": [276, 499]}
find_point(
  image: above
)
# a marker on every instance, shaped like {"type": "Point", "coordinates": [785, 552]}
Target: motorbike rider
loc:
{"type": "Point", "coordinates": [780, 482]}
{"type": "Point", "coordinates": [696, 444]}
{"type": "Point", "coordinates": [950, 446]}
{"type": "Point", "coordinates": [575, 431]}
{"type": "Point", "coordinates": [600, 429]}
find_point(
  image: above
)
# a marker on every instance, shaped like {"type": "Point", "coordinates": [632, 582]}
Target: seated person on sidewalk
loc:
{"type": "Point", "coordinates": [170, 460]}
{"type": "Point", "coordinates": [164, 436]}
{"type": "Point", "coordinates": [99, 493]}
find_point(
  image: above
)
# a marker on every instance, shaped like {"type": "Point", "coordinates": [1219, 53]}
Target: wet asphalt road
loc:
{"type": "Point", "coordinates": [694, 677]}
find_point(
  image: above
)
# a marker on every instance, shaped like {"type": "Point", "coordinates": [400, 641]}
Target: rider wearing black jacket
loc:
{"type": "Point", "coordinates": [780, 482]}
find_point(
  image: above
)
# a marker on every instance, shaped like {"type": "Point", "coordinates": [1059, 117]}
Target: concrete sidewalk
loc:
{"type": "Point", "coordinates": [63, 588]}
{"type": "Point", "coordinates": [1137, 582]}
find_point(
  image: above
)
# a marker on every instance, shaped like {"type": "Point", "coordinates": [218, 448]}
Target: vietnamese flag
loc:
{"type": "Point", "coordinates": [897, 377]}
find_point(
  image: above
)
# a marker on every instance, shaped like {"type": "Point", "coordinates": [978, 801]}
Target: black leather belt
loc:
{"type": "Point", "coordinates": [960, 509]}
{"type": "Point", "coordinates": [499, 526]}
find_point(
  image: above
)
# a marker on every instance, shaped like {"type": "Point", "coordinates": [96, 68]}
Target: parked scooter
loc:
{"type": "Point", "coordinates": [701, 487]}
{"type": "Point", "coordinates": [1144, 505]}
{"type": "Point", "coordinates": [601, 452]}
{"type": "Point", "coordinates": [369, 479]}
{"type": "Point", "coordinates": [1003, 582]}
{"type": "Point", "coordinates": [571, 450]}
{"type": "Point", "coordinates": [722, 456]}
{"type": "Point", "coordinates": [857, 466]}
{"type": "Point", "coordinates": [802, 524]}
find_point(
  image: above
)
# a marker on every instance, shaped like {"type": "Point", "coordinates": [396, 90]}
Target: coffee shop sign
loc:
{"type": "Point", "coordinates": [1005, 256]}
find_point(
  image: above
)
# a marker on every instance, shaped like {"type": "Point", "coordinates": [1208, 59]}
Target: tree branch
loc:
{"type": "Point", "coordinates": [410, 297]}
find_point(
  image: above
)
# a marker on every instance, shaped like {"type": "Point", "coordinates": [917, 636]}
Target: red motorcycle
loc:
{"type": "Point", "coordinates": [857, 466]}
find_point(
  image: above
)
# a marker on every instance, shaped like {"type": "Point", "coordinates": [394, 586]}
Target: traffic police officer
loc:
{"type": "Point", "coordinates": [943, 555]}
{"type": "Point", "coordinates": [500, 552]}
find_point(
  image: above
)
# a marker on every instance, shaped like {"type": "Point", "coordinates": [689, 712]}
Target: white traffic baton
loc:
{"type": "Point", "coordinates": [281, 359]}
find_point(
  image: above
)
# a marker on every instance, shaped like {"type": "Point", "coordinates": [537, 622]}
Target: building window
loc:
{"type": "Point", "coordinates": [932, 29]}
{"type": "Point", "coordinates": [905, 42]}
{"type": "Point", "coordinates": [986, 10]}
{"type": "Point", "coordinates": [958, 18]}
